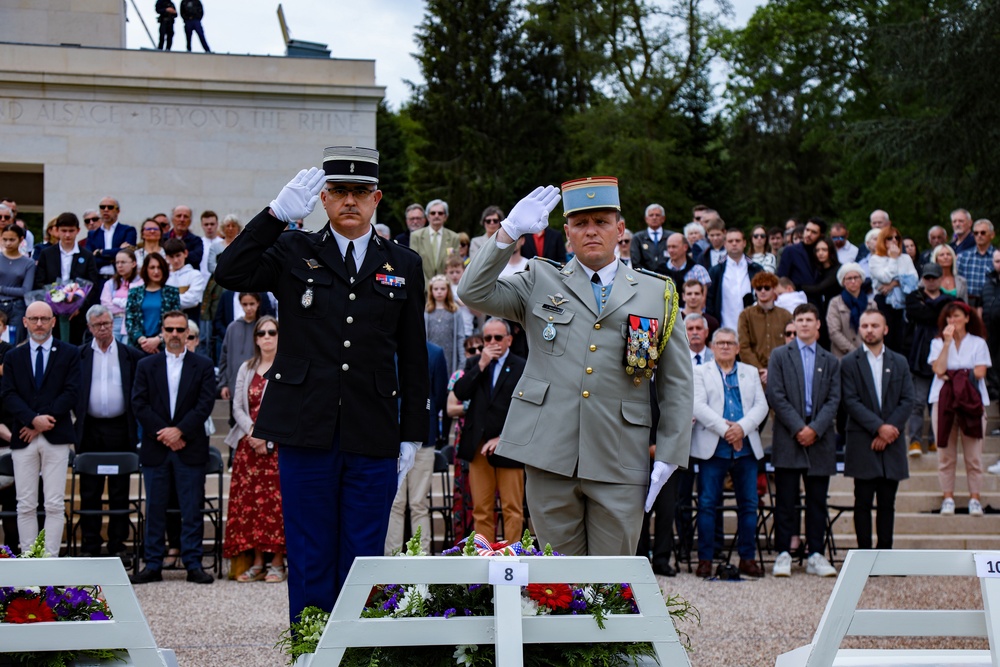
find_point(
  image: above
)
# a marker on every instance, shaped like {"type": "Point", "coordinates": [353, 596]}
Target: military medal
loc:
{"type": "Point", "coordinates": [641, 351]}
{"type": "Point", "coordinates": [549, 332]}
{"type": "Point", "coordinates": [307, 297]}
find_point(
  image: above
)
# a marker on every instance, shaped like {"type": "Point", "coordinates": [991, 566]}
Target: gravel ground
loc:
{"type": "Point", "coordinates": [743, 624]}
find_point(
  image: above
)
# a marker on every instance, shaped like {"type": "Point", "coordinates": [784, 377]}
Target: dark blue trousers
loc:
{"type": "Point", "coordinates": [336, 507]}
{"type": "Point", "coordinates": [190, 482]}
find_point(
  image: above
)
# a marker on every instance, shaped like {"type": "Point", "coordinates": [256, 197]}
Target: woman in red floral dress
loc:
{"type": "Point", "coordinates": [254, 515]}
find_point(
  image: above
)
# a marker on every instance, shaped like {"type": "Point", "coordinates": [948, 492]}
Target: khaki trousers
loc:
{"type": "Point", "coordinates": [972, 450]}
{"type": "Point", "coordinates": [484, 482]}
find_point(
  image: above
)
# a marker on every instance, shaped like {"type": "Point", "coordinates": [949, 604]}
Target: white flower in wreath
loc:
{"type": "Point", "coordinates": [409, 602]}
{"type": "Point", "coordinates": [463, 654]}
{"type": "Point", "coordinates": [528, 607]}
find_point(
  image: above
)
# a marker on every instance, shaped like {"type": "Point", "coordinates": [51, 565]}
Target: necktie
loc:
{"type": "Point", "coordinates": [489, 369]}
{"type": "Point", "coordinates": [656, 238]}
{"type": "Point", "coordinates": [352, 268]}
{"type": "Point", "coordinates": [600, 291]}
{"type": "Point", "coordinates": [437, 243]}
{"type": "Point", "coordinates": [39, 368]}
{"type": "Point", "coordinates": [697, 359]}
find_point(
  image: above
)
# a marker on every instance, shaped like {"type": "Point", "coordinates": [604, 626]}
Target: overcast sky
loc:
{"type": "Point", "coordinates": [380, 30]}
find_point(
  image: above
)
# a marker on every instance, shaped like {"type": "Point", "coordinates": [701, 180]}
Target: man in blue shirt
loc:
{"type": "Point", "coordinates": [973, 264]}
{"type": "Point", "coordinates": [729, 406]}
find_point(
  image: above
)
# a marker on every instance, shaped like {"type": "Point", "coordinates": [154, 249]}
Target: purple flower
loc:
{"type": "Point", "coordinates": [453, 551]}
{"type": "Point", "coordinates": [390, 604]}
{"type": "Point", "coordinates": [448, 613]}
{"type": "Point", "coordinates": [473, 587]}
{"type": "Point", "coordinates": [78, 597]}
{"type": "Point", "coordinates": [98, 616]}
{"type": "Point", "coordinates": [468, 612]}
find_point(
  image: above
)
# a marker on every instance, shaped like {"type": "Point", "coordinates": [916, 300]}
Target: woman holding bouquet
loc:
{"type": "Point", "coordinates": [147, 303]}
{"type": "Point", "coordinates": [254, 516]}
{"type": "Point", "coordinates": [114, 295]}
{"type": "Point", "coordinates": [17, 276]}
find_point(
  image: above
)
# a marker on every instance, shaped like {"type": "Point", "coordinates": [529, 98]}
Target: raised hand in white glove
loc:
{"type": "Point", "coordinates": [661, 473]}
{"type": "Point", "coordinates": [407, 454]}
{"type": "Point", "coordinates": [531, 214]}
{"type": "Point", "coordinates": [298, 199]}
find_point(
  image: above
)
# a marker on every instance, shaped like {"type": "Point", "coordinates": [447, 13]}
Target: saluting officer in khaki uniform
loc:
{"type": "Point", "coordinates": [598, 331]}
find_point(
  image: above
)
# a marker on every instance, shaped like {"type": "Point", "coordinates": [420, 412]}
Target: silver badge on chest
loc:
{"type": "Point", "coordinates": [307, 297]}
{"type": "Point", "coordinates": [549, 332]}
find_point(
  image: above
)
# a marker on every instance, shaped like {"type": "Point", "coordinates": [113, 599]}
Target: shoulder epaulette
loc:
{"type": "Point", "coordinates": [549, 261]}
{"type": "Point", "coordinates": [651, 273]}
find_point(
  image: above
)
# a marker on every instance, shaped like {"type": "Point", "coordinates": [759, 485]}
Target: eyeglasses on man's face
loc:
{"type": "Point", "coordinates": [89, 220]}
{"type": "Point", "coordinates": [490, 338]}
{"type": "Point", "coordinates": [100, 325]}
{"type": "Point", "coordinates": [6, 216]}
{"type": "Point", "coordinates": [625, 242]}
{"type": "Point", "coordinates": [492, 221]}
{"type": "Point", "coordinates": [474, 349]}
{"type": "Point", "coordinates": [725, 343]}
{"type": "Point", "coordinates": [175, 329]}
{"type": "Point", "coordinates": [107, 207]}
{"type": "Point", "coordinates": [192, 337]}
{"type": "Point", "coordinates": [435, 212]}
{"type": "Point", "coordinates": [359, 194]}
{"type": "Point", "coordinates": [39, 320]}
{"type": "Point", "coordinates": [789, 334]}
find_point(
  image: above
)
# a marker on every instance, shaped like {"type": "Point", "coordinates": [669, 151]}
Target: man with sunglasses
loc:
{"type": "Point", "coordinates": [347, 394]}
{"type": "Point", "coordinates": [581, 415]}
{"type": "Point", "coordinates": [434, 243]}
{"type": "Point", "coordinates": [762, 325]}
{"type": "Point", "coordinates": [106, 239]}
{"type": "Point", "coordinates": [173, 395]}
{"type": "Point", "coordinates": [847, 252]}
{"type": "Point", "coordinates": [973, 264]}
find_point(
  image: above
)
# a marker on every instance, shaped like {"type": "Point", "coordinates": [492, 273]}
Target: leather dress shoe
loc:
{"type": "Point", "coordinates": [751, 568]}
{"type": "Point", "coordinates": [664, 569]}
{"type": "Point", "coordinates": [704, 569]}
{"type": "Point", "coordinates": [146, 576]}
{"type": "Point", "coordinates": [199, 576]}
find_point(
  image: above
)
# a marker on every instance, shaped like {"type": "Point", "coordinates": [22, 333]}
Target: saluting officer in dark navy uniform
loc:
{"type": "Point", "coordinates": [347, 393]}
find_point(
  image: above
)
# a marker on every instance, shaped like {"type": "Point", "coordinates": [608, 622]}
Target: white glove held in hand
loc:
{"type": "Point", "coordinates": [531, 214]}
{"type": "Point", "coordinates": [661, 473]}
{"type": "Point", "coordinates": [298, 199]}
{"type": "Point", "coordinates": [407, 454]}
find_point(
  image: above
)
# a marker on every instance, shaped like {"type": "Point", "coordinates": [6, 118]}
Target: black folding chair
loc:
{"type": "Point", "coordinates": [102, 464]}
{"type": "Point", "coordinates": [442, 477]}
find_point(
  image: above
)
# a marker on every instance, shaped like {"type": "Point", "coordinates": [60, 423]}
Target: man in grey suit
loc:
{"type": "Point", "coordinates": [803, 389]}
{"type": "Point", "coordinates": [580, 417]}
{"type": "Point", "coordinates": [878, 396]}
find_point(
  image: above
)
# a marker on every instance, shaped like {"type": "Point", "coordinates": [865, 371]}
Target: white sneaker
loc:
{"type": "Point", "coordinates": [782, 565]}
{"type": "Point", "coordinates": [995, 468]}
{"type": "Point", "coordinates": [820, 566]}
{"type": "Point", "coordinates": [947, 506]}
{"type": "Point", "coordinates": [975, 507]}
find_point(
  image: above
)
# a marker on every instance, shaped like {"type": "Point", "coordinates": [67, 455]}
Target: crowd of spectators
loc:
{"type": "Point", "coordinates": [788, 328]}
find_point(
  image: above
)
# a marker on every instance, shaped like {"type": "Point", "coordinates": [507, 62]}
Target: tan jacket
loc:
{"type": "Point", "coordinates": [575, 411]}
{"type": "Point", "coordinates": [420, 242]}
{"type": "Point", "coordinates": [761, 331]}
{"type": "Point", "coordinates": [843, 338]}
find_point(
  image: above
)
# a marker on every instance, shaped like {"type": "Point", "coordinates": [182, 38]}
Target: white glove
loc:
{"type": "Point", "coordinates": [407, 454]}
{"type": "Point", "coordinates": [661, 473]}
{"type": "Point", "coordinates": [531, 214]}
{"type": "Point", "coordinates": [298, 199]}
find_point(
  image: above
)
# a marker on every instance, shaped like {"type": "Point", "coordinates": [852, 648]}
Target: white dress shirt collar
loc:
{"type": "Point", "coordinates": [606, 274]}
{"type": "Point", "coordinates": [360, 245]}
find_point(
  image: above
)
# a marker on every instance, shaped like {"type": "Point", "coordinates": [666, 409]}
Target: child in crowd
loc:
{"type": "Point", "coordinates": [454, 267]}
{"type": "Point", "coordinates": [443, 323]}
{"type": "Point", "coordinates": [788, 296]}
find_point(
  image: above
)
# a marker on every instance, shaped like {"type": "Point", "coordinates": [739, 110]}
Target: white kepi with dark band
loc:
{"type": "Point", "coordinates": [349, 164]}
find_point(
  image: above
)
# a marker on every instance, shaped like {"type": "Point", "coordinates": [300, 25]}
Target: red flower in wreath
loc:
{"type": "Point", "coordinates": [29, 610]}
{"type": "Point", "coordinates": [553, 596]}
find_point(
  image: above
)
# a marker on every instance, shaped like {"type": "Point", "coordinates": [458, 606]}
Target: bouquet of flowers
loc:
{"type": "Point", "coordinates": [451, 600]}
{"type": "Point", "coordinates": [65, 297]}
{"type": "Point", "coordinates": [36, 604]}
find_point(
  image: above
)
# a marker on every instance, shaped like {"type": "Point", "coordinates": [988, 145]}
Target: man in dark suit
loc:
{"type": "Point", "coordinates": [879, 397]}
{"type": "Point", "coordinates": [730, 291]}
{"type": "Point", "coordinates": [105, 423]}
{"type": "Point", "coordinates": [803, 389]}
{"type": "Point", "coordinates": [66, 261]}
{"type": "Point", "coordinates": [549, 244]}
{"type": "Point", "coordinates": [105, 241]}
{"type": "Point", "coordinates": [347, 394]}
{"type": "Point", "coordinates": [797, 261]}
{"type": "Point", "coordinates": [173, 395]}
{"type": "Point", "coordinates": [415, 490]}
{"type": "Point", "coordinates": [649, 246]}
{"type": "Point", "coordinates": [488, 383]}
{"type": "Point", "coordinates": [39, 390]}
